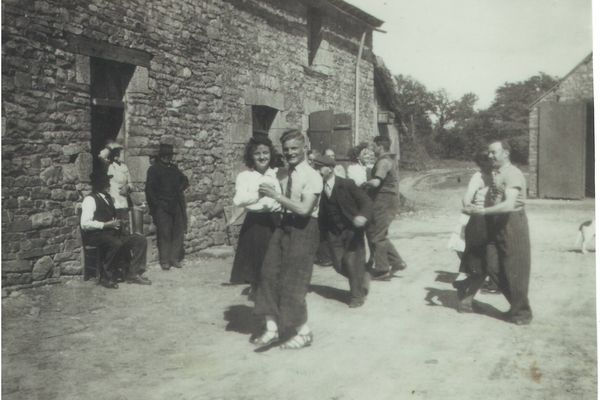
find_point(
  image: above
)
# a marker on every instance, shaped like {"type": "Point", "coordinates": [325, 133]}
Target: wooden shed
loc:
{"type": "Point", "coordinates": [561, 137]}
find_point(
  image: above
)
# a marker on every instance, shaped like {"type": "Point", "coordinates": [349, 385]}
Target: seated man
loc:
{"type": "Point", "coordinates": [102, 229]}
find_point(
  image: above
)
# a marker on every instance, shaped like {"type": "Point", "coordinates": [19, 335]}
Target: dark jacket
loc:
{"type": "Point", "coordinates": [165, 184]}
{"type": "Point", "coordinates": [350, 201]}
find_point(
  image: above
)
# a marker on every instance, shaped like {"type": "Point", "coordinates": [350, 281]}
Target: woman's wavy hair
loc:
{"type": "Point", "coordinates": [256, 141]}
{"type": "Point", "coordinates": [354, 152]}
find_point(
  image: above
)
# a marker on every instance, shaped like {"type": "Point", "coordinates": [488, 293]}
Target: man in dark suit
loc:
{"type": "Point", "coordinates": [165, 184]}
{"type": "Point", "coordinates": [344, 211]}
{"type": "Point", "coordinates": [101, 228]}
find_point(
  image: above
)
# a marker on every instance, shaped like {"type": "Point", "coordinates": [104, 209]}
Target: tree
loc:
{"type": "Point", "coordinates": [415, 103]}
{"type": "Point", "coordinates": [510, 109]}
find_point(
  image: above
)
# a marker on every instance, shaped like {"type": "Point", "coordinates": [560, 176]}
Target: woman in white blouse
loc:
{"type": "Point", "coordinates": [120, 183]}
{"type": "Point", "coordinates": [356, 170]}
{"type": "Point", "coordinates": [262, 212]}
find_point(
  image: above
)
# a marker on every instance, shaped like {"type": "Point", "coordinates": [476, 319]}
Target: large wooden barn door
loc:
{"type": "Point", "coordinates": [561, 150]}
{"type": "Point", "coordinates": [327, 130]}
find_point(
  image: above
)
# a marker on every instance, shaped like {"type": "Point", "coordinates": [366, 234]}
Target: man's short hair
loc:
{"type": "Point", "coordinates": [383, 141]}
{"type": "Point", "coordinates": [503, 142]}
{"type": "Point", "coordinates": [292, 134]}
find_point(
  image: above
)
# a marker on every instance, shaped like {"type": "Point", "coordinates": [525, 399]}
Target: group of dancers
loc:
{"type": "Point", "coordinates": [288, 217]}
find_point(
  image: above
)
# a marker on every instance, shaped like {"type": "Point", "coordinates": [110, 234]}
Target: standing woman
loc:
{"type": "Point", "coordinates": [357, 171]}
{"type": "Point", "coordinates": [474, 260]}
{"type": "Point", "coordinates": [262, 212]}
{"type": "Point", "coordinates": [120, 183]}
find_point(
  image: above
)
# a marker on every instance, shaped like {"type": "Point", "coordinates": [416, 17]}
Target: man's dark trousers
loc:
{"type": "Point", "coordinates": [118, 249]}
{"type": "Point", "coordinates": [514, 257]}
{"type": "Point", "coordinates": [384, 252]}
{"type": "Point", "coordinates": [348, 256]}
{"type": "Point", "coordinates": [287, 270]}
{"type": "Point", "coordinates": [170, 227]}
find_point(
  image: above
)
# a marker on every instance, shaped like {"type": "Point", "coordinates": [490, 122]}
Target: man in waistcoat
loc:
{"type": "Point", "coordinates": [344, 211]}
{"type": "Point", "coordinates": [288, 264]}
{"type": "Point", "coordinates": [383, 190]}
{"type": "Point", "coordinates": [165, 185]}
{"type": "Point", "coordinates": [509, 232]}
{"type": "Point", "coordinates": [101, 228]}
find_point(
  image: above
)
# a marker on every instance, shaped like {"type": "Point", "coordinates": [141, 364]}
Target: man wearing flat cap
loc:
{"type": "Point", "coordinates": [165, 184]}
{"type": "Point", "coordinates": [101, 228]}
{"type": "Point", "coordinates": [344, 211]}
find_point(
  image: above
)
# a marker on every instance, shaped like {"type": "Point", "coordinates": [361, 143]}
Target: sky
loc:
{"type": "Point", "coordinates": [478, 45]}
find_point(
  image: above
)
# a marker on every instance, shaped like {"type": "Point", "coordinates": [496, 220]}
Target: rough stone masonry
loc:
{"type": "Point", "coordinates": [199, 68]}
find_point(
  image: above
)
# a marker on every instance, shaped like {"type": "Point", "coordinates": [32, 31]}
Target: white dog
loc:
{"type": "Point", "coordinates": [586, 236]}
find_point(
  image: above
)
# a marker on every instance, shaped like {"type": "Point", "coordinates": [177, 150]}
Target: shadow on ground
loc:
{"type": "Point", "coordinates": [447, 298]}
{"type": "Point", "coordinates": [240, 319]}
{"type": "Point", "coordinates": [343, 296]}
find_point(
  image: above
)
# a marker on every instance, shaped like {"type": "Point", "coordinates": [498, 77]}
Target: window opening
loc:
{"type": "Point", "coordinates": [314, 20]}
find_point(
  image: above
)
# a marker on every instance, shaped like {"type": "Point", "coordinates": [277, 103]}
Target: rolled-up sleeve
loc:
{"type": "Point", "coordinates": [88, 208]}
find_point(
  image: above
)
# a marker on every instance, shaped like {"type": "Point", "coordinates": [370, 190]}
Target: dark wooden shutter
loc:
{"type": "Point", "coordinates": [320, 128]}
{"type": "Point", "coordinates": [327, 130]}
{"type": "Point", "coordinates": [561, 150]}
{"type": "Point", "coordinates": [341, 141]}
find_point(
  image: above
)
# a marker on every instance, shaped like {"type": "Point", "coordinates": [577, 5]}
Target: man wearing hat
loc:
{"type": "Point", "coordinates": [343, 214]}
{"type": "Point", "coordinates": [165, 184]}
{"type": "Point", "coordinates": [101, 228]}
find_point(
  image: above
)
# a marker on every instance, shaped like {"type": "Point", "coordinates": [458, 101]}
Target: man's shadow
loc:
{"type": "Point", "coordinates": [448, 297]}
{"type": "Point", "coordinates": [240, 319]}
{"type": "Point", "coordinates": [343, 296]}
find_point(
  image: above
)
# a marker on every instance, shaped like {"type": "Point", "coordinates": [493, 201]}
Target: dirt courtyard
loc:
{"type": "Point", "coordinates": [186, 336]}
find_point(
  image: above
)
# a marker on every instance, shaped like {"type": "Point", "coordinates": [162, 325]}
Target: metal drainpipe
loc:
{"type": "Point", "coordinates": [357, 83]}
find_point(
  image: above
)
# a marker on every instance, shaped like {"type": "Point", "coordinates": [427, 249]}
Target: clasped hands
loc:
{"type": "Point", "coordinates": [267, 189]}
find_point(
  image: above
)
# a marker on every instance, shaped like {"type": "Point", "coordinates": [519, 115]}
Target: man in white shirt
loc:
{"type": "Point", "coordinates": [101, 228]}
{"type": "Point", "coordinates": [288, 264]}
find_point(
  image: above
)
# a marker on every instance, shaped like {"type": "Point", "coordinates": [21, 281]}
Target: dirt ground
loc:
{"type": "Point", "coordinates": [186, 336]}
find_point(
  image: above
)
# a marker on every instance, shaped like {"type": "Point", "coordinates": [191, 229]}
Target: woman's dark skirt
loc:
{"type": "Point", "coordinates": [252, 246]}
{"type": "Point", "coordinates": [473, 261]}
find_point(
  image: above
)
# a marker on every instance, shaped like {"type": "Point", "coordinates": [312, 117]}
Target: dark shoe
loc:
{"type": "Point", "coordinates": [356, 302]}
{"type": "Point", "coordinates": [461, 285]}
{"type": "Point", "coordinates": [522, 319]}
{"type": "Point", "coordinates": [381, 275]}
{"type": "Point", "coordinates": [400, 267]}
{"type": "Point", "coordinates": [176, 264]}
{"type": "Point", "coordinates": [109, 284]}
{"type": "Point", "coordinates": [140, 280]}
{"type": "Point", "coordinates": [465, 305]}
{"type": "Point", "coordinates": [165, 267]}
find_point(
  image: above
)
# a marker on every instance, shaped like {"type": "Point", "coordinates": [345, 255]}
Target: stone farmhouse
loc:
{"type": "Point", "coordinates": [201, 74]}
{"type": "Point", "coordinates": [561, 137]}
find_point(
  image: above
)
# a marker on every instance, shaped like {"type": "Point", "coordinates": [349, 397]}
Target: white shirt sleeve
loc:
{"type": "Point", "coordinates": [88, 208]}
{"type": "Point", "coordinates": [244, 195]}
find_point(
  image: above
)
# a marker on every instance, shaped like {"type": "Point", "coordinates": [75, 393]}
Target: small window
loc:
{"type": "Point", "coordinates": [262, 118]}
{"type": "Point", "coordinates": [314, 20]}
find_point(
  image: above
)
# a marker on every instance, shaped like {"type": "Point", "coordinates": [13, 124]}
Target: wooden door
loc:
{"type": "Point", "coordinates": [561, 150]}
{"type": "Point", "coordinates": [327, 130]}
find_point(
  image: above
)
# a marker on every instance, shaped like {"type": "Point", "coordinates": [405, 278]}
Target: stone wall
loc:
{"type": "Point", "coordinates": [578, 85]}
{"type": "Point", "coordinates": [209, 62]}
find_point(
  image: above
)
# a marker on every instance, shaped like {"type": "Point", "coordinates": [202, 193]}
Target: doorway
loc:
{"type": "Point", "coordinates": [109, 80]}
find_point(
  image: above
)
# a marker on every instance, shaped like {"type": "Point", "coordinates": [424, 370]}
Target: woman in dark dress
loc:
{"type": "Point", "coordinates": [261, 212]}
